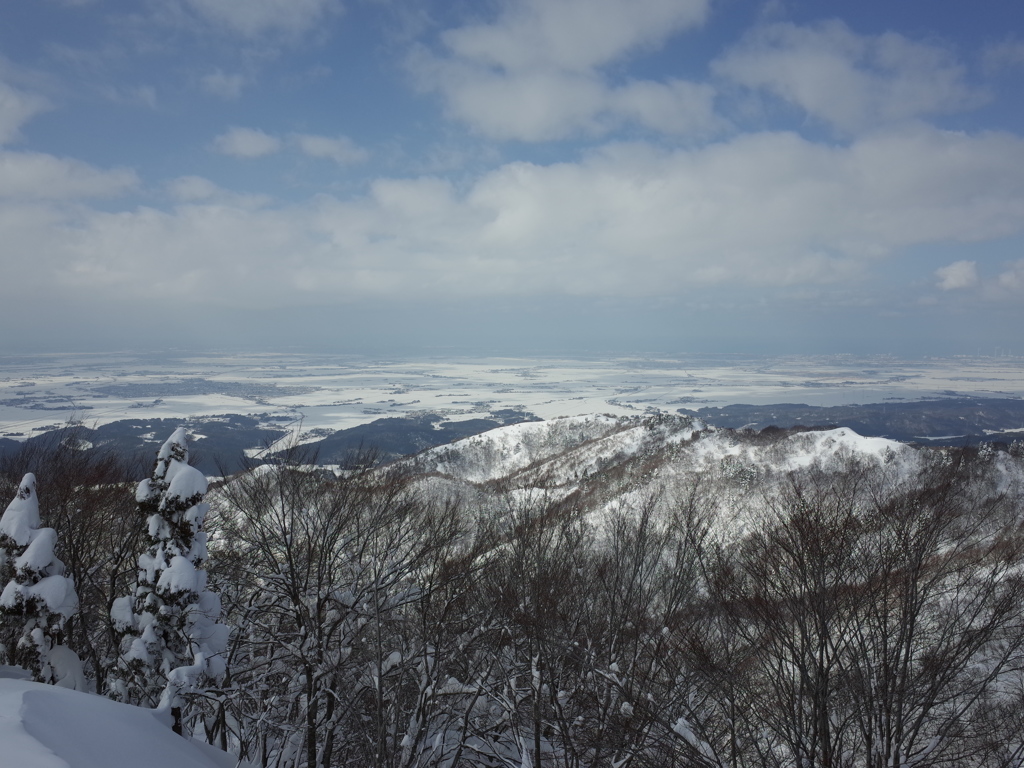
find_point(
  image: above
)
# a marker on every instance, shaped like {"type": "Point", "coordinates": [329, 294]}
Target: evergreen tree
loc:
{"type": "Point", "coordinates": [38, 598]}
{"type": "Point", "coordinates": [171, 640]}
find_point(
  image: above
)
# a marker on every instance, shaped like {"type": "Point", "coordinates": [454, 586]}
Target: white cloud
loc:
{"type": "Point", "coordinates": [246, 142]}
{"type": "Point", "coordinates": [551, 105]}
{"type": "Point", "coordinates": [37, 176]}
{"type": "Point", "coordinates": [674, 107]}
{"type": "Point", "coordinates": [629, 220]}
{"type": "Point", "coordinates": [1012, 279]}
{"type": "Point", "coordinates": [530, 107]}
{"type": "Point", "coordinates": [256, 18]}
{"type": "Point", "coordinates": [219, 83]}
{"type": "Point", "coordinates": [144, 95]}
{"type": "Point", "coordinates": [198, 190]}
{"type": "Point", "coordinates": [533, 74]}
{"type": "Point", "coordinates": [193, 188]}
{"type": "Point", "coordinates": [572, 35]}
{"type": "Point", "coordinates": [1008, 54]}
{"type": "Point", "coordinates": [853, 82]}
{"type": "Point", "coordinates": [16, 109]}
{"type": "Point", "coordinates": [959, 274]}
{"type": "Point", "coordinates": [340, 149]}
{"type": "Point", "coordinates": [251, 142]}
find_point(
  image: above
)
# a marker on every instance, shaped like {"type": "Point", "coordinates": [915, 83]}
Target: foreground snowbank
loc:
{"type": "Point", "coordinates": [42, 726]}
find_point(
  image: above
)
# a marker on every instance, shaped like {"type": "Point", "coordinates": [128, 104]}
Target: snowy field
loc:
{"type": "Point", "coordinates": [91, 732]}
{"type": "Point", "coordinates": [333, 392]}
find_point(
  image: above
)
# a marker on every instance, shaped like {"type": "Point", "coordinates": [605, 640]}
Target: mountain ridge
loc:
{"type": "Point", "coordinates": [229, 442]}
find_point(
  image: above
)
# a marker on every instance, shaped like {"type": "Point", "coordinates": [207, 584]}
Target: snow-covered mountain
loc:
{"type": "Point", "coordinates": [612, 463]}
{"type": "Point", "coordinates": [599, 575]}
{"type": "Point", "coordinates": [560, 451]}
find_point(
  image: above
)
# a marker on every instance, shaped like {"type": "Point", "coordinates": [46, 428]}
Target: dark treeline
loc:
{"type": "Point", "coordinates": [858, 618]}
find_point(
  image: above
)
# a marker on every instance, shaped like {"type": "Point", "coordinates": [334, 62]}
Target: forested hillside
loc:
{"type": "Point", "coordinates": [592, 591]}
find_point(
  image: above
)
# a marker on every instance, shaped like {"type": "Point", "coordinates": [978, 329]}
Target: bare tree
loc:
{"type": "Point", "coordinates": [940, 562]}
{"type": "Point", "coordinates": [338, 575]}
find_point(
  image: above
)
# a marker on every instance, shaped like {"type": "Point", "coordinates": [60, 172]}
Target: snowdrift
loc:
{"type": "Point", "coordinates": [43, 726]}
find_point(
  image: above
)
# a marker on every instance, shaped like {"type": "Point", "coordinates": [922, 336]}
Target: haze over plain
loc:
{"type": "Point", "coordinates": [512, 177]}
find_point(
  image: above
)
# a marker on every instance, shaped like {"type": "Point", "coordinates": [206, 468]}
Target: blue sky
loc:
{"type": "Point", "coordinates": [584, 176]}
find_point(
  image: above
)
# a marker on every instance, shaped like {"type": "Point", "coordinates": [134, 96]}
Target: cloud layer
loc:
{"type": "Point", "coordinates": [578, 151]}
{"type": "Point", "coordinates": [16, 108]}
{"type": "Point", "coordinates": [959, 274]}
{"type": "Point", "coordinates": [535, 73]}
{"type": "Point", "coordinates": [851, 82]}
{"type": "Point", "coordinates": [246, 142]}
{"type": "Point", "coordinates": [249, 143]}
{"type": "Point", "coordinates": [768, 209]}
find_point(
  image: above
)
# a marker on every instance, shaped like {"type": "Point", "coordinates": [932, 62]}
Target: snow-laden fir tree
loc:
{"type": "Point", "coordinates": [171, 643]}
{"type": "Point", "coordinates": [38, 598]}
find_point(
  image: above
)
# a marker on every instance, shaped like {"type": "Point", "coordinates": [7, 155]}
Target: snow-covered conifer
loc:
{"type": "Point", "coordinates": [38, 598]}
{"type": "Point", "coordinates": [171, 640]}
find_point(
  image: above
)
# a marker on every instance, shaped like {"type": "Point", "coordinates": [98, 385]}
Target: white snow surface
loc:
{"type": "Point", "coordinates": [506, 450]}
{"type": "Point", "coordinates": [40, 574]}
{"type": "Point", "coordinates": [143, 491]}
{"type": "Point", "coordinates": [339, 392]}
{"type": "Point", "coordinates": [164, 455]}
{"type": "Point", "coordinates": [802, 449]}
{"type": "Point", "coordinates": [45, 726]}
{"type": "Point", "coordinates": [559, 452]}
{"type": "Point", "coordinates": [181, 576]}
{"type": "Point", "coordinates": [56, 592]}
{"type": "Point", "coordinates": [835, 443]}
{"type": "Point", "coordinates": [67, 669]}
{"type": "Point", "coordinates": [21, 518]}
{"type": "Point", "coordinates": [630, 462]}
{"type": "Point", "coordinates": [185, 482]}
{"type": "Point", "coordinates": [38, 556]}
{"type": "Point", "coordinates": [121, 613]}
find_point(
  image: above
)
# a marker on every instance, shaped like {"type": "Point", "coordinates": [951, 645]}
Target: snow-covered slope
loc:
{"type": "Point", "coordinates": [800, 450]}
{"type": "Point", "coordinates": [43, 726]}
{"type": "Point", "coordinates": [505, 451]}
{"type": "Point", "coordinates": [560, 452]}
{"type": "Point", "coordinates": [622, 463]}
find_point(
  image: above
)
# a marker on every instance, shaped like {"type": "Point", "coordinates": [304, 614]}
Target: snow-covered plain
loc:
{"type": "Point", "coordinates": [334, 392]}
{"type": "Point", "coordinates": [92, 732]}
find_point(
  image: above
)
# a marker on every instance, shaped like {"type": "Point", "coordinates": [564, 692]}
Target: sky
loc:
{"type": "Point", "coordinates": [513, 176]}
